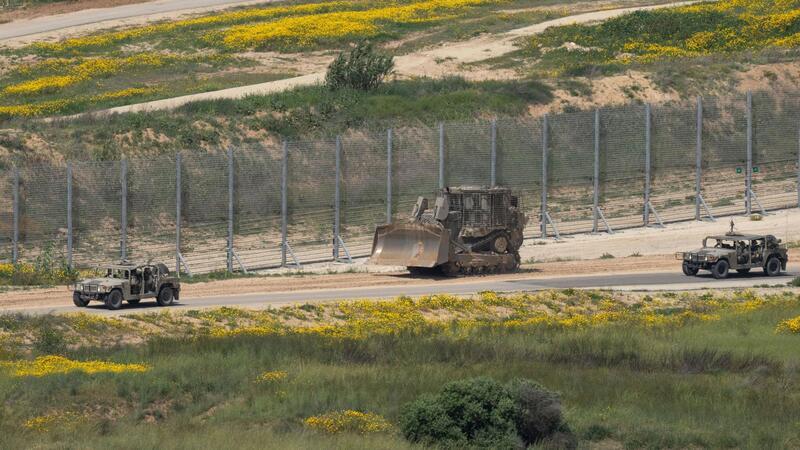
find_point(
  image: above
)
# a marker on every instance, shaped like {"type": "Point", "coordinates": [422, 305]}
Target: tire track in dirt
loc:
{"type": "Point", "coordinates": [434, 62]}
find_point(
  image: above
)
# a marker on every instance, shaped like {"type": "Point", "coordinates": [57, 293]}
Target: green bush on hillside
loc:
{"type": "Point", "coordinates": [48, 268]}
{"type": "Point", "coordinates": [484, 413]}
{"type": "Point", "coordinates": [362, 68]}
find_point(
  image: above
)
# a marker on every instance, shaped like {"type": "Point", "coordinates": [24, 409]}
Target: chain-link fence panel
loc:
{"type": "Point", "coordinates": [415, 168]}
{"type": "Point", "coordinates": [673, 161]}
{"type": "Point", "coordinates": [257, 238]}
{"type": "Point", "coordinates": [311, 193]}
{"type": "Point", "coordinates": [468, 148]}
{"type": "Point", "coordinates": [6, 214]}
{"type": "Point", "coordinates": [151, 210]}
{"type": "Point", "coordinates": [363, 184]}
{"type": "Point", "coordinates": [97, 203]}
{"type": "Point", "coordinates": [724, 155]}
{"type": "Point", "coordinates": [519, 164]}
{"type": "Point", "coordinates": [776, 124]}
{"type": "Point", "coordinates": [204, 207]}
{"type": "Point", "coordinates": [570, 171]}
{"type": "Point", "coordinates": [43, 212]}
{"type": "Point", "coordinates": [622, 164]}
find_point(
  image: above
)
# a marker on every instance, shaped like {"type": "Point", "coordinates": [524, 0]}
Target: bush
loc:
{"type": "Point", "coordinates": [484, 413]}
{"type": "Point", "coordinates": [362, 69]}
{"type": "Point", "coordinates": [49, 341]}
{"type": "Point", "coordinates": [795, 282]}
{"type": "Point", "coordinates": [49, 267]}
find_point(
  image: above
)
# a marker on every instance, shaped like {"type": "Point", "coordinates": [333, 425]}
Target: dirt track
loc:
{"type": "Point", "coordinates": [439, 61]}
{"type": "Point", "coordinates": [60, 296]}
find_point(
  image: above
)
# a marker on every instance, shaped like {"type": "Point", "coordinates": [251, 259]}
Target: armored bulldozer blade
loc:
{"type": "Point", "coordinates": [412, 244]}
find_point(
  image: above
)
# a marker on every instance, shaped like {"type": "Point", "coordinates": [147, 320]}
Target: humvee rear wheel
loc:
{"type": "Point", "coordinates": [79, 302]}
{"type": "Point", "coordinates": [743, 271]}
{"type": "Point", "coordinates": [773, 267]}
{"type": "Point", "coordinates": [114, 300]}
{"type": "Point", "coordinates": [720, 269]}
{"type": "Point", "coordinates": [690, 270]}
{"type": "Point", "coordinates": [165, 297]}
{"type": "Point", "coordinates": [500, 244]}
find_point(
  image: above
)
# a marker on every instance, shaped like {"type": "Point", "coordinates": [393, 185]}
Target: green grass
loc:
{"type": "Point", "coordinates": [304, 112]}
{"type": "Point", "coordinates": [198, 48]}
{"type": "Point", "coordinates": [679, 43]}
{"type": "Point", "coordinates": [725, 383]}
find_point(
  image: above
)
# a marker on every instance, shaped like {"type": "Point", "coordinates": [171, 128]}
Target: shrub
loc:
{"type": "Point", "coordinates": [537, 411]}
{"type": "Point", "coordinates": [49, 341]}
{"type": "Point", "coordinates": [49, 267]}
{"type": "Point", "coordinates": [361, 69]}
{"type": "Point", "coordinates": [795, 282]}
{"type": "Point", "coordinates": [484, 413]}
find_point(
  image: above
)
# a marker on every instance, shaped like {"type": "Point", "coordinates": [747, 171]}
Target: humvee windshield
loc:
{"type": "Point", "coordinates": [720, 243]}
{"type": "Point", "coordinates": [117, 273]}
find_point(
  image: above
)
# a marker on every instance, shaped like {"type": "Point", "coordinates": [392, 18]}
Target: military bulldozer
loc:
{"type": "Point", "coordinates": [469, 230]}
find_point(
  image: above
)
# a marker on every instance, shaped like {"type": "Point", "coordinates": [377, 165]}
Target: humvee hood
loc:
{"type": "Point", "coordinates": [708, 251]}
{"type": "Point", "coordinates": [102, 281]}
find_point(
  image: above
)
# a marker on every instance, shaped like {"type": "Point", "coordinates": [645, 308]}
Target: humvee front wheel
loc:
{"type": "Point", "coordinates": [773, 267]}
{"type": "Point", "coordinates": [79, 302]}
{"type": "Point", "coordinates": [690, 270]}
{"type": "Point", "coordinates": [165, 297]}
{"type": "Point", "coordinates": [720, 269]}
{"type": "Point", "coordinates": [114, 300]}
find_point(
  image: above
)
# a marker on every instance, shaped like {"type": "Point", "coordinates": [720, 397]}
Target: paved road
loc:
{"type": "Point", "coordinates": [44, 24]}
{"type": "Point", "coordinates": [633, 281]}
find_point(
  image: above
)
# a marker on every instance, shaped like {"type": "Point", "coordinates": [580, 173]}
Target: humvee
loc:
{"type": "Point", "coordinates": [733, 251]}
{"type": "Point", "coordinates": [129, 282]}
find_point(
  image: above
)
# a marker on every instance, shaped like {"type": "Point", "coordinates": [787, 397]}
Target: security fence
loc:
{"type": "Point", "coordinates": [299, 202]}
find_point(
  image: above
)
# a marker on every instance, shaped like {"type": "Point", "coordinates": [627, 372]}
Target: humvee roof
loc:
{"type": "Point", "coordinates": [733, 237]}
{"type": "Point", "coordinates": [120, 266]}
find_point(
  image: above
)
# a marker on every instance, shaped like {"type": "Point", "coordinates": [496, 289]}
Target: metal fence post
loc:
{"type": "Point", "coordinates": [69, 214]}
{"type": "Point", "coordinates": [230, 209]}
{"type": "Point", "coordinates": [596, 175]}
{"type": "Point", "coordinates": [389, 175]}
{"type": "Point", "coordinates": [441, 155]}
{"type": "Point", "coordinates": [698, 174]}
{"type": "Point", "coordinates": [284, 202]}
{"type": "Point", "coordinates": [748, 180]}
{"type": "Point", "coordinates": [178, 198]}
{"type": "Point", "coordinates": [123, 224]}
{"type": "Point", "coordinates": [493, 162]}
{"type": "Point", "coordinates": [337, 199]}
{"type": "Point", "coordinates": [15, 225]}
{"type": "Point", "coordinates": [544, 177]}
{"type": "Point", "coordinates": [647, 164]}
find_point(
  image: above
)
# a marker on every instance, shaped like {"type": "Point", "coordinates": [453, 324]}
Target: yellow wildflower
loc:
{"type": "Point", "coordinates": [272, 376]}
{"type": "Point", "coordinates": [348, 421]}
{"type": "Point", "coordinates": [789, 326]}
{"type": "Point", "coordinates": [48, 365]}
